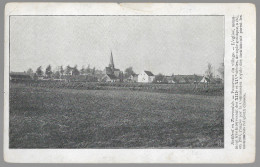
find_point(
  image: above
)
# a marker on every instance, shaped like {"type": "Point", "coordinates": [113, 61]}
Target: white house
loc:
{"type": "Point", "coordinates": [204, 80]}
{"type": "Point", "coordinates": [146, 77]}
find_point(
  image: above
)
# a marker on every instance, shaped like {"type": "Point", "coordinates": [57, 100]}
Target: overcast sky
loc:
{"type": "Point", "coordinates": [161, 44]}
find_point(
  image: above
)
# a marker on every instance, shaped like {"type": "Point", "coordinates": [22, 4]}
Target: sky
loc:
{"type": "Point", "coordinates": [160, 44]}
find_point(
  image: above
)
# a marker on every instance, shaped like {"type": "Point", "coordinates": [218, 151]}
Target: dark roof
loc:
{"type": "Point", "coordinates": [111, 76]}
{"type": "Point", "coordinates": [19, 73]}
{"type": "Point", "coordinates": [170, 78]}
{"type": "Point", "coordinates": [179, 79]}
{"type": "Point", "coordinates": [149, 73]}
{"type": "Point", "coordinates": [134, 75]}
{"type": "Point", "coordinates": [187, 78]}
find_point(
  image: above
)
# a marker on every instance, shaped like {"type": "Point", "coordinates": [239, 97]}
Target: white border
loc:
{"type": "Point", "coordinates": [226, 155]}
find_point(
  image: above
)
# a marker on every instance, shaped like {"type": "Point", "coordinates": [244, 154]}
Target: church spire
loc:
{"type": "Point", "coordinates": [111, 64]}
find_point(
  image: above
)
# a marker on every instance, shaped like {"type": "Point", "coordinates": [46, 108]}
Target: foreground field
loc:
{"type": "Point", "coordinates": [69, 118]}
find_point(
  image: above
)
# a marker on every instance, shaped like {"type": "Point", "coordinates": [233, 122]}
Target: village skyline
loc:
{"type": "Point", "coordinates": [185, 46]}
{"type": "Point", "coordinates": [89, 69]}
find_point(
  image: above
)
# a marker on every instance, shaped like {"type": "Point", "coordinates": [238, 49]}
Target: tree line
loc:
{"type": "Point", "coordinates": [60, 71]}
{"type": "Point", "coordinates": [49, 72]}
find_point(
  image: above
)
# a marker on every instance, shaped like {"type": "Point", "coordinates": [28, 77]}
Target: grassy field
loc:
{"type": "Point", "coordinates": [196, 89]}
{"type": "Point", "coordinates": [43, 117]}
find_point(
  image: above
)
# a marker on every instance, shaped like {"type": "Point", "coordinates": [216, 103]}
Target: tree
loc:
{"type": "Point", "coordinates": [57, 75]}
{"type": "Point", "coordinates": [221, 70]}
{"type": "Point", "coordinates": [68, 70]}
{"type": "Point", "coordinates": [39, 71]}
{"type": "Point", "coordinates": [88, 70]}
{"type": "Point", "coordinates": [48, 71]}
{"type": "Point", "coordinates": [209, 72]}
{"type": "Point", "coordinates": [75, 70]}
{"type": "Point", "coordinates": [159, 78]}
{"type": "Point", "coordinates": [61, 71]}
{"type": "Point", "coordinates": [164, 80]}
{"type": "Point", "coordinates": [93, 71]}
{"type": "Point", "coordinates": [30, 72]}
{"type": "Point", "coordinates": [129, 71]}
{"type": "Point", "coordinates": [196, 78]}
{"type": "Point", "coordinates": [82, 70]}
{"type": "Point", "coordinates": [35, 77]}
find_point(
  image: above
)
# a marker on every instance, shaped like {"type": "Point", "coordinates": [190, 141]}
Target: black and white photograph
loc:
{"type": "Point", "coordinates": [130, 83]}
{"type": "Point", "coordinates": [116, 81]}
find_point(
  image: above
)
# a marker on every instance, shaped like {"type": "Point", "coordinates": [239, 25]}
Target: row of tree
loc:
{"type": "Point", "coordinates": [68, 70]}
{"type": "Point", "coordinates": [60, 71]}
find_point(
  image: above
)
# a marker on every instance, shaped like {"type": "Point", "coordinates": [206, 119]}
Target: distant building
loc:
{"type": "Point", "coordinates": [20, 76]}
{"type": "Point", "coordinates": [218, 80]}
{"type": "Point", "coordinates": [146, 77]}
{"type": "Point", "coordinates": [187, 79]}
{"type": "Point", "coordinates": [170, 79]}
{"type": "Point", "coordinates": [180, 79]}
{"type": "Point", "coordinates": [132, 78]}
{"type": "Point", "coordinates": [205, 80]}
{"type": "Point", "coordinates": [212, 80]}
{"type": "Point", "coordinates": [112, 74]}
{"type": "Point", "coordinates": [110, 78]}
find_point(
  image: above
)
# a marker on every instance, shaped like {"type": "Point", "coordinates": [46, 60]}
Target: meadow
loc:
{"type": "Point", "coordinates": [197, 89]}
{"type": "Point", "coordinates": [56, 116]}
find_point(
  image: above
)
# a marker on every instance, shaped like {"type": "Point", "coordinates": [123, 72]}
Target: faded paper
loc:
{"type": "Point", "coordinates": [237, 42]}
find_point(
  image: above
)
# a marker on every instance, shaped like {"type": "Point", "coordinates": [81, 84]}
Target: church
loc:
{"type": "Point", "coordinates": [112, 74]}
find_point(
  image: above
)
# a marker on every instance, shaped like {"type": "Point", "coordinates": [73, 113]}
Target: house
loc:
{"type": "Point", "coordinates": [187, 79]}
{"type": "Point", "coordinates": [112, 74]}
{"type": "Point", "coordinates": [109, 78]}
{"type": "Point", "coordinates": [170, 79]}
{"type": "Point", "coordinates": [146, 77]}
{"type": "Point", "coordinates": [204, 80]}
{"type": "Point", "coordinates": [132, 78]}
{"type": "Point", "coordinates": [179, 79]}
{"type": "Point", "coordinates": [197, 79]}
{"type": "Point", "coordinates": [20, 76]}
{"type": "Point", "coordinates": [192, 79]}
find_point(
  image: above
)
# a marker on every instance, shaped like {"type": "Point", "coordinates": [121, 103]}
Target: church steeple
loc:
{"type": "Point", "coordinates": [111, 63]}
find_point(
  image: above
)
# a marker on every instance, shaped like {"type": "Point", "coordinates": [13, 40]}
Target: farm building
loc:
{"type": "Point", "coordinates": [179, 79]}
{"type": "Point", "coordinates": [170, 79]}
{"type": "Point", "coordinates": [146, 77]}
{"type": "Point", "coordinates": [204, 80]}
{"type": "Point", "coordinates": [132, 78]}
{"type": "Point", "coordinates": [212, 80]}
{"type": "Point", "coordinates": [187, 79]}
{"type": "Point", "coordinates": [192, 78]}
{"type": "Point", "coordinates": [110, 78]}
{"type": "Point", "coordinates": [20, 76]}
{"type": "Point", "coordinates": [112, 74]}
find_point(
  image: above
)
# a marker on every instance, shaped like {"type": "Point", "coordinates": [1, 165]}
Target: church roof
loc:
{"type": "Point", "coordinates": [111, 63]}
